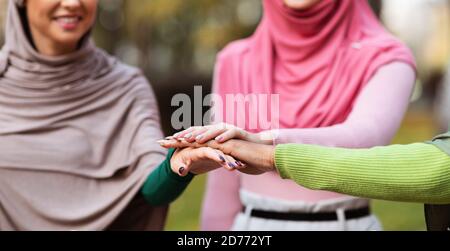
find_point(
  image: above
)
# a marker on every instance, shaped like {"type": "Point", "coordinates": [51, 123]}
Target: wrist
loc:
{"type": "Point", "coordinates": [265, 138]}
{"type": "Point", "coordinates": [270, 153]}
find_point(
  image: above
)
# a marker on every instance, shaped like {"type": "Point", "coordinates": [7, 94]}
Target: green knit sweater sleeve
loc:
{"type": "Point", "coordinates": [163, 186]}
{"type": "Point", "coordinates": [411, 173]}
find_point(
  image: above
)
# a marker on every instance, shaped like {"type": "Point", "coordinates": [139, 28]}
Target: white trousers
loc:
{"type": "Point", "coordinates": [245, 222]}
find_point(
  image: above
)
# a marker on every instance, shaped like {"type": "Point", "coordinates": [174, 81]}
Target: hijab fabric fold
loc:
{"type": "Point", "coordinates": [318, 60]}
{"type": "Point", "coordinates": [78, 135]}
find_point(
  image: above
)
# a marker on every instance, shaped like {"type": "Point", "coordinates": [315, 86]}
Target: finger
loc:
{"type": "Point", "coordinates": [216, 145]}
{"type": "Point", "coordinates": [227, 135]}
{"type": "Point", "coordinates": [231, 163]}
{"type": "Point", "coordinates": [178, 144]}
{"type": "Point", "coordinates": [170, 143]}
{"type": "Point", "coordinates": [240, 165]}
{"type": "Point", "coordinates": [222, 157]}
{"type": "Point", "coordinates": [208, 153]}
{"type": "Point", "coordinates": [182, 134]}
{"type": "Point", "coordinates": [209, 157]}
{"type": "Point", "coordinates": [191, 137]}
{"type": "Point", "coordinates": [235, 164]}
{"type": "Point", "coordinates": [179, 165]}
{"type": "Point", "coordinates": [210, 134]}
{"type": "Point", "coordinates": [175, 143]}
{"type": "Point", "coordinates": [178, 134]}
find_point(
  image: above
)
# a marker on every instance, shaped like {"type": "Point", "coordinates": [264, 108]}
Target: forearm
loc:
{"type": "Point", "coordinates": [375, 116]}
{"type": "Point", "coordinates": [411, 173]}
{"type": "Point", "coordinates": [163, 186]}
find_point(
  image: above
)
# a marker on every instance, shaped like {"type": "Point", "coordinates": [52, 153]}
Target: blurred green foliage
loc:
{"type": "Point", "coordinates": [177, 36]}
{"type": "Point", "coordinates": [174, 42]}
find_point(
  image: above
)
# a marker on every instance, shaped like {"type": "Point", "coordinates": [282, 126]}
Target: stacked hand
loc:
{"type": "Point", "coordinates": [221, 133]}
{"type": "Point", "coordinates": [203, 149]}
{"type": "Point", "coordinates": [199, 160]}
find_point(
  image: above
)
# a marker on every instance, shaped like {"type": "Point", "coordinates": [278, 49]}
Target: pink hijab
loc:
{"type": "Point", "coordinates": [317, 60]}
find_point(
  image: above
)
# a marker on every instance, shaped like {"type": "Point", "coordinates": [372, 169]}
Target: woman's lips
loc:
{"type": "Point", "coordinates": [68, 23]}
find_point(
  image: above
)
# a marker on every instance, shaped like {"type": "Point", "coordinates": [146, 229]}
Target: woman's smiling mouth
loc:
{"type": "Point", "coordinates": [68, 22]}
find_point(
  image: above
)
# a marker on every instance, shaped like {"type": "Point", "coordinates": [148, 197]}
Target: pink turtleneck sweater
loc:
{"type": "Point", "coordinates": [374, 120]}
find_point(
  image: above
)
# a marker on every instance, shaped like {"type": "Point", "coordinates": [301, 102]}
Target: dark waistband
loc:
{"type": "Point", "coordinates": [296, 216]}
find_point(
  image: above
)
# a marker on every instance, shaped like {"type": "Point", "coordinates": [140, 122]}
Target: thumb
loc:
{"type": "Point", "coordinates": [179, 164]}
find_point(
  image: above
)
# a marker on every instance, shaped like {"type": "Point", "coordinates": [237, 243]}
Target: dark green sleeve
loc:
{"type": "Point", "coordinates": [163, 186]}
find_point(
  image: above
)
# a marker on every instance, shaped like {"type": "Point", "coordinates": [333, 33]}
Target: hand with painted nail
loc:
{"type": "Point", "coordinates": [202, 160]}
{"type": "Point", "coordinates": [221, 133]}
{"type": "Point", "coordinates": [258, 158]}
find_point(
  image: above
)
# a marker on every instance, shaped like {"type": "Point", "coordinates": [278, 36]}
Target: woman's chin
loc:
{"type": "Point", "coordinates": [67, 40]}
{"type": "Point", "coordinates": [66, 37]}
{"type": "Point", "coordinates": [300, 4]}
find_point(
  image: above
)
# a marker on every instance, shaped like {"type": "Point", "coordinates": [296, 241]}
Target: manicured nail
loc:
{"type": "Point", "coordinates": [199, 137]}
{"type": "Point", "coordinates": [239, 163]}
{"type": "Point", "coordinates": [176, 135]}
{"type": "Point", "coordinates": [161, 142]}
{"type": "Point", "coordinates": [181, 170]}
{"type": "Point", "coordinates": [222, 158]}
{"type": "Point", "coordinates": [188, 136]}
{"type": "Point", "coordinates": [231, 165]}
{"type": "Point", "coordinates": [219, 138]}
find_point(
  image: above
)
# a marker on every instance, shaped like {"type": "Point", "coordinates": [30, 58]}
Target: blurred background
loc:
{"type": "Point", "coordinates": [175, 43]}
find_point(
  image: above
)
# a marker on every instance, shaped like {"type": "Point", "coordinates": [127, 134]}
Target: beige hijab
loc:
{"type": "Point", "coordinates": [77, 138]}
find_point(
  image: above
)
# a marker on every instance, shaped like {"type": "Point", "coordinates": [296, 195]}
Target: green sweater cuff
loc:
{"type": "Point", "coordinates": [282, 153]}
{"type": "Point", "coordinates": [168, 169]}
{"type": "Point", "coordinates": [163, 186]}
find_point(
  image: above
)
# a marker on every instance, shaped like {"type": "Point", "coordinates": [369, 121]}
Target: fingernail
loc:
{"type": "Point", "coordinates": [161, 142]}
{"type": "Point", "coordinates": [219, 138]}
{"type": "Point", "coordinates": [181, 170]}
{"type": "Point", "coordinates": [199, 137]}
{"type": "Point", "coordinates": [176, 135]}
{"type": "Point", "coordinates": [169, 138]}
{"type": "Point", "coordinates": [188, 136]}
{"type": "Point", "coordinates": [231, 165]}
{"type": "Point", "coordinates": [222, 158]}
{"type": "Point", "coordinates": [239, 163]}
